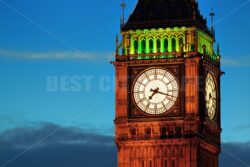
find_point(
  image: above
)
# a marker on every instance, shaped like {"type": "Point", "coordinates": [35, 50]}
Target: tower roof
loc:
{"type": "Point", "coordinates": [166, 13]}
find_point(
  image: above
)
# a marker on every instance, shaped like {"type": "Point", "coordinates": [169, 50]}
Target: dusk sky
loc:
{"type": "Point", "coordinates": [44, 42]}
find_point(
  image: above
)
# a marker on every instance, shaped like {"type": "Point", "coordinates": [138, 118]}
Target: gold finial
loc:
{"type": "Point", "coordinates": [218, 49]}
{"type": "Point", "coordinates": [123, 5]}
{"type": "Point", "coordinates": [117, 44]}
{"type": "Point", "coordinates": [212, 14]}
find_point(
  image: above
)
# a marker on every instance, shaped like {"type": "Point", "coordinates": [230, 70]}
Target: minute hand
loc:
{"type": "Point", "coordinates": [165, 94]}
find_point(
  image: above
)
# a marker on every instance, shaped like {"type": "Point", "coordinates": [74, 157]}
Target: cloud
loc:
{"type": "Point", "coordinates": [236, 61]}
{"type": "Point", "coordinates": [9, 121]}
{"type": "Point", "coordinates": [235, 154]}
{"type": "Point", "coordinates": [61, 55]}
{"type": "Point", "coordinates": [75, 147]}
{"type": "Point", "coordinates": [69, 147]}
{"type": "Point", "coordinates": [24, 137]}
{"type": "Point", "coordinates": [242, 128]}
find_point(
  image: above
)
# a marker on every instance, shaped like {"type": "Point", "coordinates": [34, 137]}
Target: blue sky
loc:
{"type": "Point", "coordinates": [40, 39]}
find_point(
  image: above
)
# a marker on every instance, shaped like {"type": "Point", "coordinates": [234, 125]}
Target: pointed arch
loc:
{"type": "Point", "coordinates": [151, 45]}
{"type": "Point", "coordinates": [158, 45]}
{"type": "Point", "coordinates": [136, 46]}
{"type": "Point", "coordinates": [181, 43]}
{"type": "Point", "coordinates": [150, 37]}
{"type": "Point", "coordinates": [143, 46]}
{"type": "Point", "coordinates": [165, 45]}
{"type": "Point", "coordinates": [158, 37]}
{"type": "Point", "coordinates": [181, 40]}
{"type": "Point", "coordinates": [173, 41]}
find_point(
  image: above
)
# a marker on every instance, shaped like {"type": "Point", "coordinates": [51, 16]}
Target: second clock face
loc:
{"type": "Point", "coordinates": [211, 96]}
{"type": "Point", "coordinates": [155, 91]}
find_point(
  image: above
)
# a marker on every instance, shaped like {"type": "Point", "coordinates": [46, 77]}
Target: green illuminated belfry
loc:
{"type": "Point", "coordinates": [166, 29]}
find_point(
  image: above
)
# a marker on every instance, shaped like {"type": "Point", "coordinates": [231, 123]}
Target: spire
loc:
{"type": "Point", "coordinates": [218, 49]}
{"type": "Point", "coordinates": [117, 44]}
{"type": "Point", "coordinates": [123, 5]}
{"type": "Point", "coordinates": [212, 14]}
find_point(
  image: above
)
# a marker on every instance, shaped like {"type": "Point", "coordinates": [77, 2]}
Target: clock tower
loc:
{"type": "Point", "coordinates": [167, 111]}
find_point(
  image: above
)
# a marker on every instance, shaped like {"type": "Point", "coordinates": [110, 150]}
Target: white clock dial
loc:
{"type": "Point", "coordinates": [211, 96]}
{"type": "Point", "coordinates": [155, 91]}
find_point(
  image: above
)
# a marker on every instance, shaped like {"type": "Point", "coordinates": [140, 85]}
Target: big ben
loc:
{"type": "Point", "coordinates": [167, 111]}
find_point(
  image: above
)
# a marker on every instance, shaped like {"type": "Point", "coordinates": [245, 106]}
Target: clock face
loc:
{"type": "Point", "coordinates": [211, 96]}
{"type": "Point", "coordinates": [155, 91]}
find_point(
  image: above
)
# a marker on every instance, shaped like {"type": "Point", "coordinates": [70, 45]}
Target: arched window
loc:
{"type": "Point", "coordinates": [136, 46]}
{"type": "Point", "coordinates": [158, 43]}
{"type": "Point", "coordinates": [173, 45]}
{"type": "Point", "coordinates": [133, 131]}
{"type": "Point", "coordinates": [181, 44]}
{"type": "Point", "coordinates": [142, 163]}
{"type": "Point", "coordinates": [181, 41]}
{"type": "Point", "coordinates": [151, 46]}
{"type": "Point", "coordinates": [163, 132]}
{"type": "Point", "coordinates": [148, 131]}
{"type": "Point", "coordinates": [192, 47]}
{"type": "Point", "coordinates": [166, 163]}
{"type": "Point", "coordinates": [173, 163]}
{"type": "Point", "coordinates": [166, 45]}
{"type": "Point", "coordinates": [204, 49]}
{"type": "Point", "coordinates": [143, 46]}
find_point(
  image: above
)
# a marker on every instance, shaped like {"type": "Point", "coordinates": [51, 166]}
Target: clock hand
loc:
{"type": "Point", "coordinates": [165, 94]}
{"type": "Point", "coordinates": [154, 93]}
{"type": "Point", "coordinates": [211, 98]}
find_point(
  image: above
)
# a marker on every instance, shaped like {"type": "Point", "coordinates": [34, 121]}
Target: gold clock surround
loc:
{"type": "Point", "coordinates": [155, 91]}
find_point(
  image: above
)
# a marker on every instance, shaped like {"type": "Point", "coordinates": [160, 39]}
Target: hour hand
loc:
{"type": "Point", "coordinates": [151, 97]}
{"type": "Point", "coordinates": [154, 92]}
